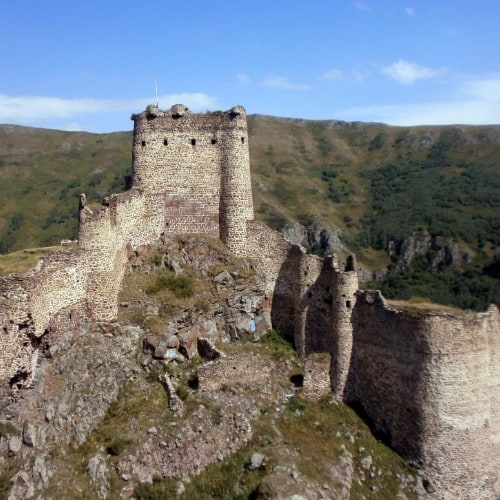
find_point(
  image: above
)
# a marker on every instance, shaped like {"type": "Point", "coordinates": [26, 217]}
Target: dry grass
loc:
{"type": "Point", "coordinates": [420, 306]}
{"type": "Point", "coordinates": [23, 260]}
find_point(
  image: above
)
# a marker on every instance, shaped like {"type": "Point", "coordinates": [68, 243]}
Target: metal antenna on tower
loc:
{"type": "Point", "coordinates": [156, 90]}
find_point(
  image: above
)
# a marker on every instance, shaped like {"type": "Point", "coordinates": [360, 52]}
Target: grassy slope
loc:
{"type": "Point", "coordinates": [42, 173]}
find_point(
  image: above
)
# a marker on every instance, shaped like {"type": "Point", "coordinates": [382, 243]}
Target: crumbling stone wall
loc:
{"type": "Point", "coordinates": [51, 295]}
{"type": "Point", "coordinates": [312, 300]}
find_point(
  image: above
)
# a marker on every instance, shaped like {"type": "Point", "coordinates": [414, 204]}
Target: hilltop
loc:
{"type": "Point", "coordinates": [423, 200]}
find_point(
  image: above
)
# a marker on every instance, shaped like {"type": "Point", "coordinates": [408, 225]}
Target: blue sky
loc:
{"type": "Point", "coordinates": [88, 64]}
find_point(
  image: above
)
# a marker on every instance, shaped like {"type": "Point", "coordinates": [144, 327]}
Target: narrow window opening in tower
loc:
{"type": "Point", "coordinates": [165, 142]}
{"type": "Point", "coordinates": [348, 304]}
{"type": "Point", "coordinates": [214, 141]}
{"type": "Point", "coordinates": [143, 143]}
{"type": "Point", "coordinates": [242, 140]}
{"type": "Point", "coordinates": [193, 142]}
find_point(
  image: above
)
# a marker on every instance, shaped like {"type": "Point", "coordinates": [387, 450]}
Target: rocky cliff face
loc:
{"type": "Point", "coordinates": [323, 240]}
{"type": "Point", "coordinates": [428, 253]}
{"type": "Point", "coordinates": [149, 405]}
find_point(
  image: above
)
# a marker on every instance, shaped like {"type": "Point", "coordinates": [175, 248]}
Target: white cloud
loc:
{"type": "Point", "coordinates": [410, 11]}
{"type": "Point", "coordinates": [282, 82]}
{"type": "Point", "coordinates": [194, 101]}
{"type": "Point", "coordinates": [359, 75]}
{"type": "Point", "coordinates": [333, 74]}
{"type": "Point", "coordinates": [30, 110]}
{"type": "Point", "coordinates": [485, 89]}
{"type": "Point", "coordinates": [71, 126]}
{"type": "Point", "coordinates": [243, 78]}
{"type": "Point", "coordinates": [408, 72]}
{"type": "Point", "coordinates": [361, 5]}
{"type": "Point", "coordinates": [476, 102]}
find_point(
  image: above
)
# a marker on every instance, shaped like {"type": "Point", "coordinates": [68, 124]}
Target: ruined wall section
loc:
{"type": "Point", "coordinates": [429, 382]}
{"type": "Point", "coordinates": [59, 281]}
{"type": "Point", "coordinates": [270, 250]}
{"type": "Point", "coordinates": [200, 165]}
{"type": "Point", "coordinates": [278, 261]}
{"type": "Point", "coordinates": [31, 304]}
{"type": "Point", "coordinates": [301, 288]}
{"type": "Point", "coordinates": [16, 328]}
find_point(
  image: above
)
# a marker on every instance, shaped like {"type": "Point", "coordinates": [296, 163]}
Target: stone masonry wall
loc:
{"type": "Point", "coordinates": [344, 287]}
{"type": "Point", "coordinates": [311, 304]}
{"type": "Point", "coordinates": [32, 303]}
{"type": "Point", "coordinates": [430, 384]}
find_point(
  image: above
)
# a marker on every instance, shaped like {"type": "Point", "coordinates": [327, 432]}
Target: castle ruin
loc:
{"type": "Point", "coordinates": [428, 383]}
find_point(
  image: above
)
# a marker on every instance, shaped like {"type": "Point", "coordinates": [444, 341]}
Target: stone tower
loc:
{"type": "Point", "coordinates": [344, 287]}
{"type": "Point", "coordinates": [195, 171]}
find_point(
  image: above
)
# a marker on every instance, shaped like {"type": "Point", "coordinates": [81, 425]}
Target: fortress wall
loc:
{"type": "Point", "coordinates": [314, 306]}
{"type": "Point", "coordinates": [58, 282]}
{"type": "Point", "coordinates": [103, 247]}
{"type": "Point", "coordinates": [491, 324]}
{"type": "Point", "coordinates": [270, 250]}
{"type": "Point", "coordinates": [425, 381]}
{"type": "Point", "coordinates": [29, 304]}
{"type": "Point", "coordinates": [15, 328]}
{"type": "Point", "coordinates": [390, 372]}
{"type": "Point", "coordinates": [301, 300]}
{"type": "Point", "coordinates": [316, 380]}
{"type": "Point", "coordinates": [104, 235]}
{"type": "Point", "coordinates": [279, 261]}
{"type": "Point", "coordinates": [461, 448]}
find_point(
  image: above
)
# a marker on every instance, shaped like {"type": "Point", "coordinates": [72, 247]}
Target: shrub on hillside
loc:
{"type": "Point", "coordinates": [180, 286]}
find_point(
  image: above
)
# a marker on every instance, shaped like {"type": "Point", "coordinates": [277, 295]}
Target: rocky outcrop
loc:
{"type": "Point", "coordinates": [234, 304]}
{"type": "Point", "coordinates": [321, 239]}
{"type": "Point", "coordinates": [424, 252]}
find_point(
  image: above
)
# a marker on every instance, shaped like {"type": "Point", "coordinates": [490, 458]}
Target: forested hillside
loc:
{"type": "Point", "coordinates": [417, 205]}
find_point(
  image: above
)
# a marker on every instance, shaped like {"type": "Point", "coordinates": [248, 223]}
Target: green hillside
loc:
{"type": "Point", "coordinates": [379, 185]}
{"type": "Point", "coordinates": [42, 173]}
